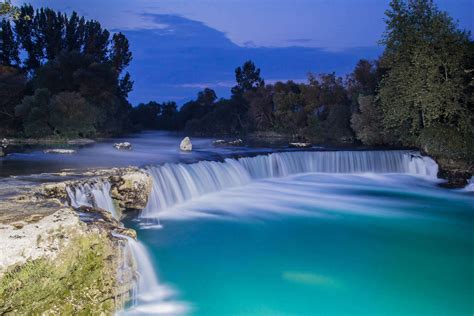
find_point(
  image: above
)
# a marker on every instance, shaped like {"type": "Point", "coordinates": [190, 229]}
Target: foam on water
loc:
{"type": "Point", "coordinates": [175, 184]}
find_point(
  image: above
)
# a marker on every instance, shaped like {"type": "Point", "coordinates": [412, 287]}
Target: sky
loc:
{"type": "Point", "coordinates": [182, 46]}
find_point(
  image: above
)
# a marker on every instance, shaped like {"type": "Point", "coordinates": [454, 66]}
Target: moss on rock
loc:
{"type": "Point", "coordinates": [81, 280]}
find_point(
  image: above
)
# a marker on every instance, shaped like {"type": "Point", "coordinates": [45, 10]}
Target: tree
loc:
{"type": "Point", "coordinates": [26, 29]}
{"type": "Point", "coordinates": [120, 54]}
{"type": "Point", "coordinates": [248, 78]}
{"type": "Point", "coordinates": [12, 88]}
{"type": "Point", "coordinates": [368, 123]}
{"type": "Point", "coordinates": [96, 41]}
{"type": "Point", "coordinates": [9, 51]}
{"type": "Point", "coordinates": [261, 107]}
{"type": "Point", "coordinates": [71, 115]}
{"type": "Point", "coordinates": [425, 57]}
{"type": "Point", "coordinates": [74, 33]}
{"type": "Point", "coordinates": [34, 112]}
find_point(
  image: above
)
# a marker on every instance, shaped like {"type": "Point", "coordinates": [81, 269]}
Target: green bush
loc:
{"type": "Point", "coordinates": [447, 142]}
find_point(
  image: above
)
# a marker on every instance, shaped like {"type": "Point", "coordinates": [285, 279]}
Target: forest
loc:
{"type": "Point", "coordinates": [64, 76]}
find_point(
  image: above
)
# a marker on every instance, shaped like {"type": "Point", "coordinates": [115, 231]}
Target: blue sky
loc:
{"type": "Point", "coordinates": [181, 46]}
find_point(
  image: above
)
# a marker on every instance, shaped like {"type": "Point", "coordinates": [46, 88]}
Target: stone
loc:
{"type": "Point", "coordinates": [186, 144]}
{"type": "Point", "coordinates": [54, 191]}
{"type": "Point", "coordinates": [2, 152]}
{"type": "Point", "coordinates": [131, 189]}
{"type": "Point", "coordinates": [81, 141]}
{"type": "Point", "coordinates": [300, 145]}
{"type": "Point", "coordinates": [221, 142]}
{"type": "Point", "coordinates": [124, 145]}
{"type": "Point", "coordinates": [60, 151]}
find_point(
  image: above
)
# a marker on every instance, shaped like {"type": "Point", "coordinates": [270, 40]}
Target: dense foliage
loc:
{"type": "Point", "coordinates": [419, 93]}
{"type": "Point", "coordinates": [61, 76]}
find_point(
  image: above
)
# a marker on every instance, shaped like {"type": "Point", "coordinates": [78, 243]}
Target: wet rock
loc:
{"type": "Point", "coordinates": [81, 141]}
{"type": "Point", "coordinates": [131, 189]}
{"type": "Point", "coordinates": [221, 142]}
{"type": "Point", "coordinates": [60, 151]}
{"type": "Point", "coordinates": [123, 146]}
{"type": "Point", "coordinates": [186, 144]}
{"type": "Point", "coordinates": [54, 191]}
{"type": "Point", "coordinates": [300, 145]}
{"type": "Point", "coordinates": [2, 152]}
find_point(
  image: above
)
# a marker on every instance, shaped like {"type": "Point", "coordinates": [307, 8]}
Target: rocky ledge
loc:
{"type": "Point", "coordinates": [59, 260]}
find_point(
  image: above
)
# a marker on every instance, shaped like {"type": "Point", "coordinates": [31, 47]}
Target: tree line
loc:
{"type": "Point", "coordinates": [419, 93]}
{"type": "Point", "coordinates": [62, 76]}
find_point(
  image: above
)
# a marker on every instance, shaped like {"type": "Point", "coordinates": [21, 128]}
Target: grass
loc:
{"type": "Point", "coordinates": [80, 281]}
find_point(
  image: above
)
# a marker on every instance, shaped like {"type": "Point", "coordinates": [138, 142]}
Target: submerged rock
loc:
{"type": "Point", "coordinates": [221, 142]}
{"type": "Point", "coordinates": [186, 144]}
{"type": "Point", "coordinates": [60, 151]}
{"type": "Point", "coordinates": [131, 189]}
{"type": "Point", "coordinates": [300, 145]}
{"type": "Point", "coordinates": [124, 145]}
{"type": "Point", "coordinates": [81, 141]}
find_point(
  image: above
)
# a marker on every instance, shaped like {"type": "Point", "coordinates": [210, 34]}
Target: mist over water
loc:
{"type": "Point", "coordinates": [300, 233]}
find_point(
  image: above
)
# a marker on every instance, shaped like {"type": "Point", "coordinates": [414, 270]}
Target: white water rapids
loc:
{"type": "Point", "coordinates": [174, 184]}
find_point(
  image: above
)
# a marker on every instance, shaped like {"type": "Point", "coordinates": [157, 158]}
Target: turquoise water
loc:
{"type": "Point", "coordinates": [316, 244]}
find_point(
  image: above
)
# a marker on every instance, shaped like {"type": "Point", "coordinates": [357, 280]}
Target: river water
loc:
{"type": "Point", "coordinates": [307, 233]}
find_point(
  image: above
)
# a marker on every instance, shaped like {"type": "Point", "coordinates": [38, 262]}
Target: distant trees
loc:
{"type": "Point", "coordinates": [74, 69]}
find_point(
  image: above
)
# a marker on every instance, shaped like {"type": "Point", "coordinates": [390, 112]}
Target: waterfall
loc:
{"type": "Point", "coordinates": [97, 194]}
{"type": "Point", "coordinates": [176, 183]}
{"type": "Point", "coordinates": [149, 296]}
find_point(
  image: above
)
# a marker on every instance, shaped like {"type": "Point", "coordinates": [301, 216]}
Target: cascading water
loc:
{"type": "Point", "coordinates": [97, 194]}
{"type": "Point", "coordinates": [149, 296]}
{"type": "Point", "coordinates": [176, 183]}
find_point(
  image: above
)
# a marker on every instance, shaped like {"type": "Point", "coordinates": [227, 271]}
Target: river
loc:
{"type": "Point", "coordinates": [292, 233]}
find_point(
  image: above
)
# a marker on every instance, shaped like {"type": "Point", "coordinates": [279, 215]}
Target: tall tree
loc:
{"type": "Point", "coordinates": [9, 51]}
{"type": "Point", "coordinates": [120, 54]}
{"type": "Point", "coordinates": [74, 37]}
{"type": "Point", "coordinates": [425, 57]}
{"type": "Point", "coordinates": [96, 41]}
{"type": "Point", "coordinates": [248, 78]}
{"type": "Point", "coordinates": [26, 28]}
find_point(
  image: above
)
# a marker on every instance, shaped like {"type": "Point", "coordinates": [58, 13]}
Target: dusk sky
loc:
{"type": "Point", "coordinates": [182, 46]}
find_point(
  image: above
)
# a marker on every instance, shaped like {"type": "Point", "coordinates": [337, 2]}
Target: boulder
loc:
{"type": "Point", "coordinates": [186, 144]}
{"type": "Point", "coordinates": [300, 145]}
{"type": "Point", "coordinates": [54, 191]}
{"type": "Point", "coordinates": [131, 189]}
{"type": "Point", "coordinates": [60, 151]}
{"type": "Point", "coordinates": [2, 152]}
{"type": "Point", "coordinates": [124, 145]}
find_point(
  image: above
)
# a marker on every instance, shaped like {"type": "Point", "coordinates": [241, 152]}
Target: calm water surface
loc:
{"type": "Point", "coordinates": [319, 244]}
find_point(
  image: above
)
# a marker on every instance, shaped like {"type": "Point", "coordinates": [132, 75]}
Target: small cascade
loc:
{"type": "Point", "coordinates": [97, 195]}
{"type": "Point", "coordinates": [176, 183]}
{"type": "Point", "coordinates": [149, 297]}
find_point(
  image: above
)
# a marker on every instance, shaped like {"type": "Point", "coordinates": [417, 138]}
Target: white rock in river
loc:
{"type": "Point", "coordinates": [125, 145]}
{"type": "Point", "coordinates": [186, 144]}
{"type": "Point", "coordinates": [300, 145]}
{"type": "Point", "coordinates": [60, 151]}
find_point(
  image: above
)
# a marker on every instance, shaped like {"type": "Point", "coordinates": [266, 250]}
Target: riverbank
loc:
{"type": "Point", "coordinates": [63, 260]}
